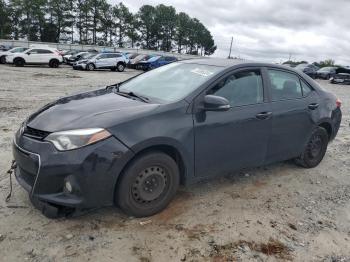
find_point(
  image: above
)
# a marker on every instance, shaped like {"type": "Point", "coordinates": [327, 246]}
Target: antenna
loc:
{"type": "Point", "coordinates": [229, 55]}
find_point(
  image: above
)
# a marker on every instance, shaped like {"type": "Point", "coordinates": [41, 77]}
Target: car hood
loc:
{"type": "Point", "coordinates": [93, 109]}
{"type": "Point", "coordinates": [5, 52]}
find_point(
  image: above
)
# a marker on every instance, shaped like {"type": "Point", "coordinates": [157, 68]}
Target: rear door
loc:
{"type": "Point", "coordinates": [237, 138]}
{"type": "Point", "coordinates": [45, 55]}
{"type": "Point", "coordinates": [293, 104]}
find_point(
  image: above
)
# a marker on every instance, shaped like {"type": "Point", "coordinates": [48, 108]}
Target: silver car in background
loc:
{"type": "Point", "coordinates": [112, 61]}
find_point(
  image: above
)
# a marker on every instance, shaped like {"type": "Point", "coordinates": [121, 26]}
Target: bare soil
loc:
{"type": "Point", "coordinates": [274, 213]}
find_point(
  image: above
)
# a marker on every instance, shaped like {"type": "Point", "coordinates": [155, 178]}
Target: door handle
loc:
{"type": "Point", "coordinates": [263, 115]}
{"type": "Point", "coordinates": [313, 106]}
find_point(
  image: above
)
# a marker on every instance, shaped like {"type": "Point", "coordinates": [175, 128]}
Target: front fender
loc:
{"type": "Point", "coordinates": [186, 156]}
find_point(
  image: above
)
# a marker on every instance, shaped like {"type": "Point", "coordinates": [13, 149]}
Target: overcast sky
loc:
{"type": "Point", "coordinates": [271, 30]}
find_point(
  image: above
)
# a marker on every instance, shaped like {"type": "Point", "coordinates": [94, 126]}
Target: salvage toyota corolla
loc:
{"type": "Point", "coordinates": [133, 143]}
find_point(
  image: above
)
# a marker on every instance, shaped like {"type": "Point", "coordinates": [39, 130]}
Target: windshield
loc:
{"type": "Point", "coordinates": [88, 55]}
{"type": "Point", "coordinates": [326, 69]}
{"type": "Point", "coordinates": [152, 59]}
{"type": "Point", "coordinates": [301, 66]}
{"type": "Point", "coordinates": [18, 50]}
{"type": "Point", "coordinates": [170, 83]}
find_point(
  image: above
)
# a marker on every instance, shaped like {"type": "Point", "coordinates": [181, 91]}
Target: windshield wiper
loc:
{"type": "Point", "coordinates": [131, 94]}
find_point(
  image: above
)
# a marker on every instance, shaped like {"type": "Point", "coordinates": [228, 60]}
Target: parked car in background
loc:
{"type": "Point", "coordinates": [36, 56]}
{"type": "Point", "coordinates": [309, 69]}
{"type": "Point", "coordinates": [155, 62]}
{"type": "Point", "coordinates": [341, 76]}
{"type": "Point", "coordinates": [112, 61]}
{"type": "Point", "coordinates": [134, 61]}
{"type": "Point", "coordinates": [3, 54]}
{"type": "Point", "coordinates": [131, 55]}
{"type": "Point", "coordinates": [69, 54]}
{"type": "Point", "coordinates": [326, 72]}
{"type": "Point", "coordinates": [78, 56]}
{"type": "Point", "coordinates": [132, 144]}
{"type": "Point", "coordinates": [4, 47]}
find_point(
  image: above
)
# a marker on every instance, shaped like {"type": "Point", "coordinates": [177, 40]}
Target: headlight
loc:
{"type": "Point", "coordinates": [72, 139]}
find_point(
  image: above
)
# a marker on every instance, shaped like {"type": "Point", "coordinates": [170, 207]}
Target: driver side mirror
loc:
{"type": "Point", "coordinates": [216, 103]}
{"type": "Point", "coordinates": [28, 53]}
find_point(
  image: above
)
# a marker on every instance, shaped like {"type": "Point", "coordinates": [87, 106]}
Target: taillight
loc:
{"type": "Point", "coordinates": [338, 102]}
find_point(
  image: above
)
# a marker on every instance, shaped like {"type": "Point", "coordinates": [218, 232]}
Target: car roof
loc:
{"type": "Point", "coordinates": [215, 61]}
{"type": "Point", "coordinates": [227, 63]}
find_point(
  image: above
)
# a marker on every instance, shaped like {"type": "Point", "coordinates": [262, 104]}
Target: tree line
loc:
{"type": "Point", "coordinates": [98, 22]}
{"type": "Point", "coordinates": [325, 63]}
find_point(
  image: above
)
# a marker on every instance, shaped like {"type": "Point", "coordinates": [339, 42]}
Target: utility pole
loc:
{"type": "Point", "coordinates": [229, 55]}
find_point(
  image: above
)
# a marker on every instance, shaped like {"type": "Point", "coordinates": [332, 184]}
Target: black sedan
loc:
{"type": "Point", "coordinates": [132, 144]}
{"type": "Point", "coordinates": [308, 69]}
{"type": "Point", "coordinates": [326, 72]}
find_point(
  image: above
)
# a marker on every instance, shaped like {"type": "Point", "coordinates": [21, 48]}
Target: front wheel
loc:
{"type": "Point", "coordinates": [3, 60]}
{"type": "Point", "coordinates": [148, 185]}
{"type": "Point", "coordinates": [19, 62]}
{"type": "Point", "coordinates": [315, 149]}
{"type": "Point", "coordinates": [120, 67]}
{"type": "Point", "coordinates": [90, 67]}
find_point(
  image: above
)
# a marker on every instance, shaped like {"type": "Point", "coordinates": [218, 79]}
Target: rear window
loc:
{"type": "Point", "coordinates": [284, 85]}
{"type": "Point", "coordinates": [306, 88]}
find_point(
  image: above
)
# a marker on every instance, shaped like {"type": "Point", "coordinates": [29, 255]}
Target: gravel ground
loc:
{"type": "Point", "coordinates": [273, 213]}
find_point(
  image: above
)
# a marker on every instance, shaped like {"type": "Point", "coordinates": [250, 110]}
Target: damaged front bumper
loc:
{"type": "Point", "coordinates": [91, 173]}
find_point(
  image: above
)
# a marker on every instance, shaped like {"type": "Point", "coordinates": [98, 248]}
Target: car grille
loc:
{"type": "Point", "coordinates": [35, 133]}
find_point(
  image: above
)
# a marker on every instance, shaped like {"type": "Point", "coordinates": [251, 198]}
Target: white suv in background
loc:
{"type": "Point", "coordinates": [3, 54]}
{"type": "Point", "coordinates": [36, 56]}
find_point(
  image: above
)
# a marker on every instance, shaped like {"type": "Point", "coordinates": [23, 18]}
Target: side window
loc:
{"type": "Point", "coordinates": [242, 88]}
{"type": "Point", "coordinates": [44, 51]}
{"type": "Point", "coordinates": [112, 55]}
{"type": "Point", "coordinates": [284, 85]}
{"type": "Point", "coordinates": [306, 88]}
{"type": "Point", "coordinates": [103, 56]}
{"type": "Point", "coordinates": [33, 51]}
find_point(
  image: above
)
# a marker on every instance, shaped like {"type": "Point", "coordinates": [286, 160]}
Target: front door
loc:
{"type": "Point", "coordinates": [33, 56]}
{"type": "Point", "coordinates": [237, 138]}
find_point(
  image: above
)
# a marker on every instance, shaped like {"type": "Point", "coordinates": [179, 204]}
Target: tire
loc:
{"type": "Point", "coordinates": [3, 59]}
{"type": "Point", "coordinates": [18, 62]}
{"type": "Point", "coordinates": [90, 67]}
{"type": "Point", "coordinates": [148, 185]}
{"type": "Point", "coordinates": [315, 149]}
{"type": "Point", "coordinates": [54, 63]}
{"type": "Point", "coordinates": [120, 67]}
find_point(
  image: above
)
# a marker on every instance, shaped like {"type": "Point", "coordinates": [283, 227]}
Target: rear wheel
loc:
{"type": "Point", "coordinates": [90, 67]}
{"type": "Point", "coordinates": [315, 149]}
{"type": "Point", "coordinates": [148, 185]}
{"type": "Point", "coordinates": [54, 63]}
{"type": "Point", "coordinates": [2, 59]}
{"type": "Point", "coordinates": [120, 67]}
{"type": "Point", "coordinates": [19, 62]}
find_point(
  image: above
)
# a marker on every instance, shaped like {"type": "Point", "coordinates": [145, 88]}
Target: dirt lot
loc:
{"type": "Point", "coordinates": [278, 212]}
